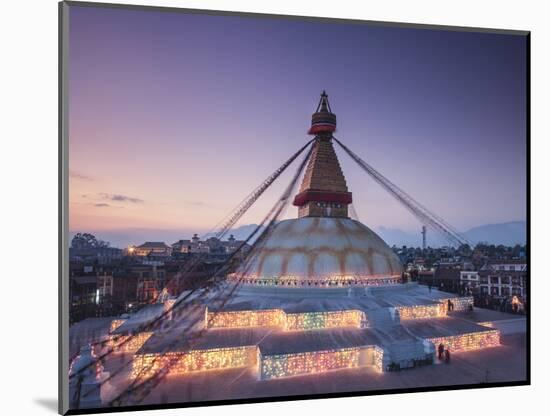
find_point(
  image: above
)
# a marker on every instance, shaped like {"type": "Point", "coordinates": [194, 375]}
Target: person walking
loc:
{"type": "Point", "coordinates": [450, 305]}
{"type": "Point", "coordinates": [447, 356]}
{"type": "Point", "coordinates": [440, 351]}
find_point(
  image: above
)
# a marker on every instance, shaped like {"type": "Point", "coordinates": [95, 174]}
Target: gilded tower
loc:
{"type": "Point", "coordinates": [324, 192]}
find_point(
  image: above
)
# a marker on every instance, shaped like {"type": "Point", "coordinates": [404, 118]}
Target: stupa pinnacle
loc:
{"type": "Point", "coordinates": [324, 192]}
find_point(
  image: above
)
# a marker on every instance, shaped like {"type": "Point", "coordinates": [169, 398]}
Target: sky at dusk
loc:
{"type": "Point", "coordinates": [175, 118]}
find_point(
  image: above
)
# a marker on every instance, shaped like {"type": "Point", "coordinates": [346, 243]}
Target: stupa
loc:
{"type": "Point", "coordinates": [324, 292]}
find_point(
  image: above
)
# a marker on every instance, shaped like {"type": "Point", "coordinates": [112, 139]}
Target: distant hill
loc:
{"type": "Point", "coordinates": [240, 233]}
{"type": "Point", "coordinates": [507, 233]}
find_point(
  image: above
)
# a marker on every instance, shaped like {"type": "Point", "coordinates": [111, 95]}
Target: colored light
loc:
{"type": "Point", "coordinates": [291, 322]}
{"type": "Point", "coordinates": [326, 282]}
{"type": "Point", "coordinates": [246, 319]}
{"type": "Point", "coordinates": [471, 341]}
{"type": "Point", "coordinates": [287, 365]}
{"type": "Point", "coordinates": [323, 320]}
{"type": "Point", "coordinates": [422, 311]}
{"type": "Point", "coordinates": [115, 323]}
{"type": "Point", "coordinates": [128, 343]}
{"type": "Point", "coordinates": [178, 363]}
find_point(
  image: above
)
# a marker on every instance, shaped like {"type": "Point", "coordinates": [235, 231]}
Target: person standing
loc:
{"type": "Point", "coordinates": [447, 356]}
{"type": "Point", "coordinates": [440, 351]}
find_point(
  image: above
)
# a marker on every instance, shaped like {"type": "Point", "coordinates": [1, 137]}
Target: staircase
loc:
{"type": "Point", "coordinates": [406, 352]}
{"type": "Point", "coordinates": [382, 318]}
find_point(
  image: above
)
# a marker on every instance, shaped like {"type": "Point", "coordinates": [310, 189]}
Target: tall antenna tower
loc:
{"type": "Point", "coordinates": [424, 231]}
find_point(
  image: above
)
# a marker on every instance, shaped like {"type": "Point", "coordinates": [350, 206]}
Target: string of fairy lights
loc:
{"type": "Point", "coordinates": [422, 311]}
{"type": "Point", "coordinates": [278, 318]}
{"type": "Point", "coordinates": [288, 365]}
{"type": "Point", "coordinates": [328, 282]}
{"type": "Point", "coordinates": [133, 344]}
{"type": "Point", "coordinates": [195, 360]}
{"type": "Point", "coordinates": [271, 366]}
{"type": "Point", "coordinates": [471, 341]}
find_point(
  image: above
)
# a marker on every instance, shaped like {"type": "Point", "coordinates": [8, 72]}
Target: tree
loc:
{"type": "Point", "coordinates": [87, 240]}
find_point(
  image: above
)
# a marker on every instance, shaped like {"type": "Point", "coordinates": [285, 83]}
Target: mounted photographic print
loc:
{"type": "Point", "coordinates": [258, 208]}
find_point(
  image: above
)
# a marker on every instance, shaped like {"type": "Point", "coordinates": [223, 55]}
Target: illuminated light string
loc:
{"type": "Point", "coordinates": [274, 366]}
{"type": "Point", "coordinates": [434, 311]}
{"type": "Point", "coordinates": [459, 304]}
{"type": "Point", "coordinates": [288, 322]}
{"type": "Point", "coordinates": [115, 323]}
{"type": "Point", "coordinates": [287, 365]}
{"type": "Point", "coordinates": [129, 343]}
{"type": "Point", "coordinates": [471, 341]}
{"type": "Point", "coordinates": [332, 281]}
{"type": "Point", "coordinates": [422, 311]}
{"type": "Point", "coordinates": [246, 319]}
{"type": "Point", "coordinates": [378, 358]}
{"type": "Point", "coordinates": [321, 320]}
{"type": "Point", "coordinates": [147, 365]}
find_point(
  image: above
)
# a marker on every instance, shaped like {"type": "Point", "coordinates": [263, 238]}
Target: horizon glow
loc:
{"type": "Point", "coordinates": [174, 118]}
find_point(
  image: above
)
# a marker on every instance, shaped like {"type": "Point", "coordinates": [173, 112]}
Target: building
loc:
{"type": "Point", "coordinates": [95, 255]}
{"type": "Point", "coordinates": [469, 281]}
{"type": "Point", "coordinates": [181, 247]}
{"type": "Point", "coordinates": [321, 292]}
{"type": "Point", "coordinates": [153, 249]}
{"type": "Point", "coordinates": [211, 245]}
{"type": "Point", "coordinates": [150, 278]}
{"type": "Point", "coordinates": [503, 278]}
{"type": "Point", "coordinates": [90, 292]}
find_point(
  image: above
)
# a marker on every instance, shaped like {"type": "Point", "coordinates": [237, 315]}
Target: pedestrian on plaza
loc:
{"type": "Point", "coordinates": [447, 356]}
{"type": "Point", "coordinates": [450, 305]}
{"type": "Point", "coordinates": [440, 351]}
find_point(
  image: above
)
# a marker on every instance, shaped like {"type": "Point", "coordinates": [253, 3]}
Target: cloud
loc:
{"type": "Point", "coordinates": [196, 203]}
{"type": "Point", "coordinates": [77, 175]}
{"type": "Point", "coordinates": [120, 198]}
{"type": "Point", "coordinates": [101, 205]}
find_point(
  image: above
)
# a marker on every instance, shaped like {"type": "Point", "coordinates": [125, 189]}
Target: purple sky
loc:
{"type": "Point", "coordinates": [174, 118]}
